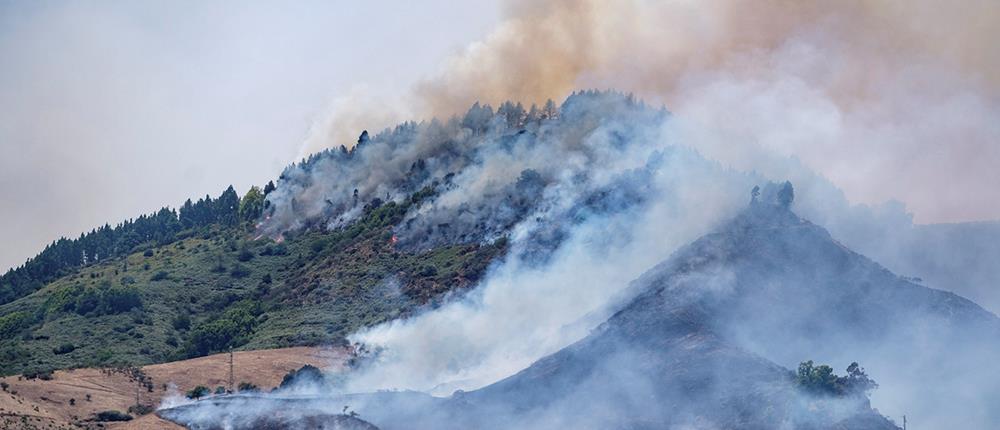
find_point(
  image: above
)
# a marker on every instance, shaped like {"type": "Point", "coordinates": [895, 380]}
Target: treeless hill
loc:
{"type": "Point", "coordinates": [71, 398]}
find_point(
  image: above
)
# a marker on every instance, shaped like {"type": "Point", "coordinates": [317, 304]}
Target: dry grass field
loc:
{"type": "Point", "coordinates": [73, 397]}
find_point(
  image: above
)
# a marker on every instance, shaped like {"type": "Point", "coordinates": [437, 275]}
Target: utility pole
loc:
{"type": "Point", "coordinates": [231, 371]}
{"type": "Point", "coordinates": [904, 422]}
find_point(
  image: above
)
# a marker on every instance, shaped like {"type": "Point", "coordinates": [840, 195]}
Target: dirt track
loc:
{"type": "Point", "coordinates": [38, 404]}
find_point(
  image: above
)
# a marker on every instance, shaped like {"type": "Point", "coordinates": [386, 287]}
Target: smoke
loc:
{"type": "Point", "coordinates": [904, 94]}
{"type": "Point", "coordinates": [855, 102]}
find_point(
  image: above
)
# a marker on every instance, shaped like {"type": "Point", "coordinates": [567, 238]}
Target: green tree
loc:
{"type": "Point", "coordinates": [197, 392]}
{"type": "Point", "coordinates": [252, 204]}
{"type": "Point", "coordinates": [227, 207]}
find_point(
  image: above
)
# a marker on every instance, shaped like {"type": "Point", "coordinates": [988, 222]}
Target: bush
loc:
{"type": "Point", "coordinates": [13, 323]}
{"type": "Point", "coordinates": [239, 271]}
{"type": "Point", "coordinates": [245, 255]}
{"type": "Point", "coordinates": [428, 271]}
{"type": "Point", "coordinates": [43, 374]}
{"type": "Point", "coordinates": [197, 392]}
{"type": "Point", "coordinates": [305, 374]}
{"type": "Point", "coordinates": [821, 380]}
{"type": "Point", "coordinates": [220, 390]}
{"type": "Point", "coordinates": [104, 299]}
{"type": "Point", "coordinates": [65, 348]}
{"type": "Point", "coordinates": [229, 329]}
{"type": "Point", "coordinates": [181, 322]}
{"type": "Point", "coordinates": [159, 276]}
{"type": "Point", "coordinates": [140, 409]}
{"type": "Point", "coordinates": [148, 253]}
{"type": "Point", "coordinates": [112, 416]}
{"type": "Point", "coordinates": [245, 387]}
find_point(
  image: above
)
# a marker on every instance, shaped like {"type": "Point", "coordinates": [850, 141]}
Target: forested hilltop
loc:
{"type": "Point", "coordinates": [214, 285]}
{"type": "Point", "coordinates": [162, 227]}
{"type": "Point", "coordinates": [345, 239]}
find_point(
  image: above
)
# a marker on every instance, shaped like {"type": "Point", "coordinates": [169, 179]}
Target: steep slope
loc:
{"type": "Point", "coordinates": [958, 256]}
{"type": "Point", "coordinates": [703, 337]}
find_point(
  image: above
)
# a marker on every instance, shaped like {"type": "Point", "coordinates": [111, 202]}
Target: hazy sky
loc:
{"type": "Point", "coordinates": [112, 109]}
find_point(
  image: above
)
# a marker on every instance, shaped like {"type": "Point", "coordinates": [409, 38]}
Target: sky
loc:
{"type": "Point", "coordinates": [112, 109]}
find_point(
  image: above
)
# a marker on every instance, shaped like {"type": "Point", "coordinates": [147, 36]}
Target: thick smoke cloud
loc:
{"type": "Point", "coordinates": [882, 100]}
{"type": "Point", "coordinates": [903, 94]}
{"type": "Point", "coordinates": [524, 309]}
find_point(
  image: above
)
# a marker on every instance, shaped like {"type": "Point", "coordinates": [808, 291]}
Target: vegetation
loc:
{"type": "Point", "coordinates": [197, 392]}
{"type": "Point", "coordinates": [140, 409]}
{"type": "Point", "coordinates": [247, 387]}
{"type": "Point", "coordinates": [110, 416]}
{"type": "Point", "coordinates": [821, 380]}
{"type": "Point", "coordinates": [165, 226]}
{"type": "Point", "coordinates": [305, 374]}
{"type": "Point", "coordinates": [224, 288]}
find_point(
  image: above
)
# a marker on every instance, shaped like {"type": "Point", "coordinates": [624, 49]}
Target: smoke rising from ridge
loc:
{"type": "Point", "coordinates": [862, 96]}
{"type": "Point", "coordinates": [899, 93]}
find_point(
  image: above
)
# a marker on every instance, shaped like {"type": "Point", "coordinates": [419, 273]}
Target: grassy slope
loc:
{"type": "Point", "coordinates": [324, 285]}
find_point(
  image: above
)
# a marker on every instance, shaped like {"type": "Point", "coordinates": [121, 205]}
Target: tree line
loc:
{"type": "Point", "coordinates": [65, 255]}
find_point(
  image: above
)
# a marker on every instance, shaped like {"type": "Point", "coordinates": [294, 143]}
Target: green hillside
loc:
{"type": "Point", "coordinates": [215, 286]}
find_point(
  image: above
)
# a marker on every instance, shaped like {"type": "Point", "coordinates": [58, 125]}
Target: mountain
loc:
{"type": "Point", "coordinates": [413, 217]}
{"type": "Point", "coordinates": [704, 336]}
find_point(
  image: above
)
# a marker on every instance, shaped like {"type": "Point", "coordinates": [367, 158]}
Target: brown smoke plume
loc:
{"type": "Point", "coordinates": [903, 94]}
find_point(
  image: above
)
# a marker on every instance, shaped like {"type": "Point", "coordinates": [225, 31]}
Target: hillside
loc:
{"type": "Point", "coordinates": [712, 325]}
{"type": "Point", "coordinates": [722, 335]}
{"type": "Point", "coordinates": [70, 398]}
{"type": "Point", "coordinates": [217, 286]}
{"type": "Point", "coordinates": [348, 238]}
{"type": "Point", "coordinates": [677, 352]}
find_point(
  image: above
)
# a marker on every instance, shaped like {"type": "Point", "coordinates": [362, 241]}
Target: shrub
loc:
{"type": "Point", "coordinates": [140, 409]}
{"type": "Point", "coordinates": [4, 386]}
{"type": "Point", "coordinates": [305, 374]}
{"type": "Point", "coordinates": [229, 329]}
{"type": "Point", "coordinates": [239, 271]}
{"type": "Point", "coordinates": [159, 276]}
{"type": "Point", "coordinates": [246, 386]}
{"type": "Point", "coordinates": [43, 374]}
{"type": "Point", "coordinates": [197, 392]}
{"type": "Point", "coordinates": [821, 380]}
{"type": "Point", "coordinates": [220, 390]}
{"type": "Point", "coordinates": [245, 255]}
{"type": "Point", "coordinates": [65, 348]}
{"type": "Point", "coordinates": [428, 271]}
{"type": "Point", "coordinates": [181, 322]}
{"type": "Point", "coordinates": [13, 323]}
{"type": "Point", "coordinates": [148, 253]}
{"type": "Point", "coordinates": [102, 300]}
{"type": "Point", "coordinates": [112, 416]}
